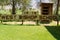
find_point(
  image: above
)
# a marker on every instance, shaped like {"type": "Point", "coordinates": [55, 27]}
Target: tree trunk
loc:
{"type": "Point", "coordinates": [2, 7]}
{"type": "Point", "coordinates": [57, 13]}
{"type": "Point", "coordinates": [13, 7]}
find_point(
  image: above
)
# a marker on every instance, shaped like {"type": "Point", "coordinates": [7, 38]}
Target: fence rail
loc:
{"type": "Point", "coordinates": [5, 17]}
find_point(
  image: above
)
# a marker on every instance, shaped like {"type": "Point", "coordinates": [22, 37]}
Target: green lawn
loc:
{"type": "Point", "coordinates": [19, 32]}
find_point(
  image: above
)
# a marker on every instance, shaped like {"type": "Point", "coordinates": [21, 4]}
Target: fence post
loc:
{"type": "Point", "coordinates": [22, 22]}
{"type": "Point", "coordinates": [37, 22]}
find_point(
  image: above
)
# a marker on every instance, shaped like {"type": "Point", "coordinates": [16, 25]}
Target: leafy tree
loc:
{"type": "Point", "coordinates": [23, 2]}
{"type": "Point", "coordinates": [13, 6]}
{"type": "Point", "coordinates": [4, 2]}
{"type": "Point", "coordinates": [57, 12]}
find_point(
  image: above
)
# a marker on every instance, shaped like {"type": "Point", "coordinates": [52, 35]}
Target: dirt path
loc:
{"type": "Point", "coordinates": [27, 22]}
{"type": "Point", "coordinates": [54, 23]}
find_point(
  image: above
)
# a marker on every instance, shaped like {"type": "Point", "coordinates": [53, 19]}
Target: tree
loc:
{"type": "Point", "coordinates": [4, 2]}
{"type": "Point", "coordinates": [57, 4]}
{"type": "Point", "coordinates": [13, 7]}
{"type": "Point", "coordinates": [57, 12]}
{"type": "Point", "coordinates": [23, 2]}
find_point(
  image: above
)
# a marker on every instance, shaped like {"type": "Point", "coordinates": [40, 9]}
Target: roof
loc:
{"type": "Point", "coordinates": [46, 1]}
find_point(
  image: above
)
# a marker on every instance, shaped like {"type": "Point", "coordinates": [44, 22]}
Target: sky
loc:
{"type": "Point", "coordinates": [34, 2]}
{"type": "Point", "coordinates": [46, 1]}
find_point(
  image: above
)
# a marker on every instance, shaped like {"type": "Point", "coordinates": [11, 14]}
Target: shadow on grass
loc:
{"type": "Point", "coordinates": [54, 30]}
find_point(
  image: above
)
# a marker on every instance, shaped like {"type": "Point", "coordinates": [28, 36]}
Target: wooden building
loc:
{"type": "Point", "coordinates": [46, 11]}
{"type": "Point", "coordinates": [46, 8]}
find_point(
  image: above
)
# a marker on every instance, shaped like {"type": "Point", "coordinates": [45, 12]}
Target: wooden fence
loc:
{"type": "Point", "coordinates": [5, 17]}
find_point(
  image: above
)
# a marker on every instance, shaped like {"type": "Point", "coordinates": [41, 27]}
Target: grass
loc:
{"type": "Point", "coordinates": [29, 32]}
{"type": "Point", "coordinates": [23, 32]}
{"type": "Point", "coordinates": [54, 30]}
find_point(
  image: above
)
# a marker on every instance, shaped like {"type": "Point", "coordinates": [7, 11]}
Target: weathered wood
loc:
{"type": "Point", "coordinates": [46, 11]}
